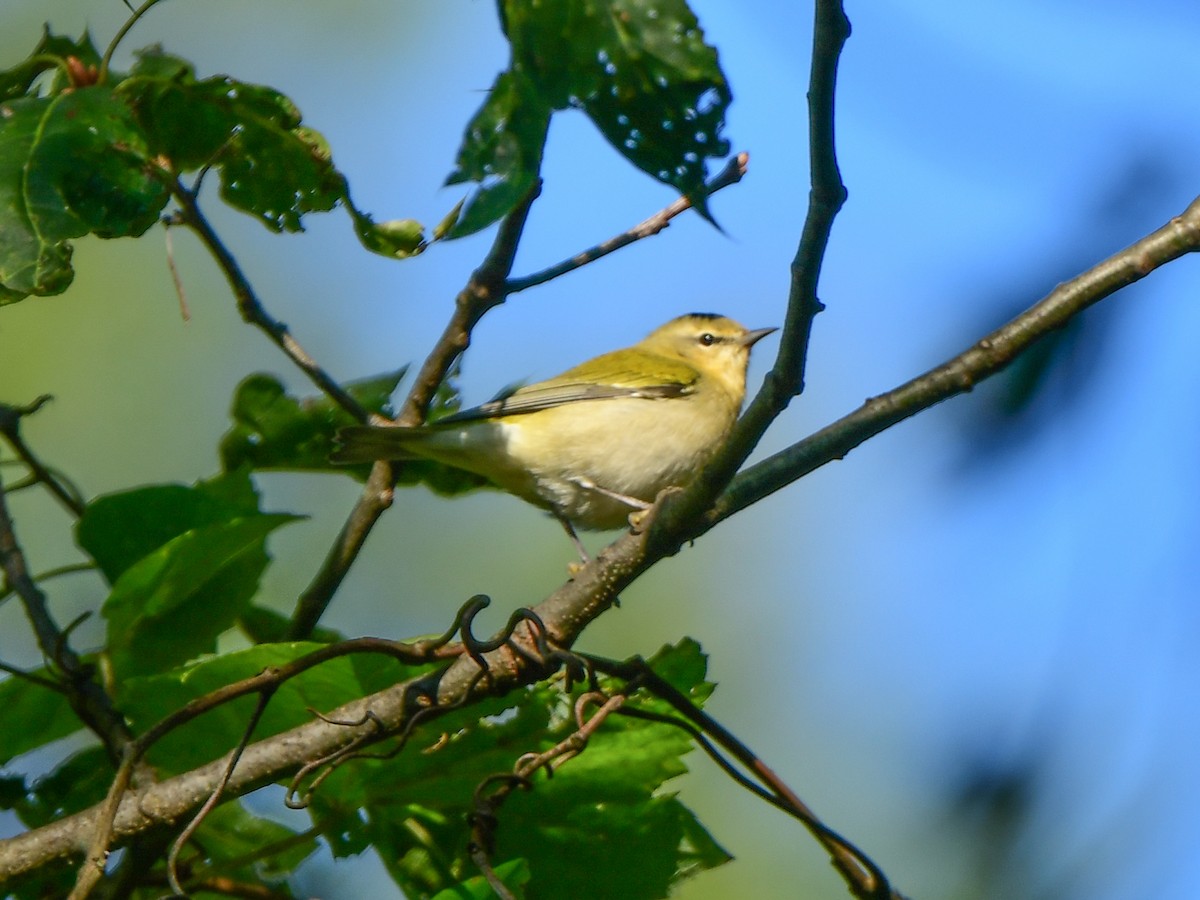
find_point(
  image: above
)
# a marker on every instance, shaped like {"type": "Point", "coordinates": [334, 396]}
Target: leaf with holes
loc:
{"type": "Point", "coordinates": [70, 165]}
{"type": "Point", "coordinates": [642, 72]}
{"type": "Point", "coordinates": [501, 151]}
{"type": "Point", "coordinates": [271, 166]}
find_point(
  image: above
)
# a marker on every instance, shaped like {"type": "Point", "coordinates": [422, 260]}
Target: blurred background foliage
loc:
{"type": "Point", "coordinates": [969, 645]}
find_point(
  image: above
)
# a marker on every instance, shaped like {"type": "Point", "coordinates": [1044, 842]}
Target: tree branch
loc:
{"type": "Point", "coordinates": [374, 500]}
{"type": "Point", "coordinates": [10, 427]}
{"type": "Point", "coordinates": [991, 354]}
{"type": "Point", "coordinates": [251, 307]}
{"type": "Point", "coordinates": [485, 290]}
{"type": "Point", "coordinates": [831, 29]}
{"type": "Point", "coordinates": [87, 698]}
{"type": "Point", "coordinates": [734, 171]}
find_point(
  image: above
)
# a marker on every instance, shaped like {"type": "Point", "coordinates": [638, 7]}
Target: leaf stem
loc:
{"type": "Point", "coordinates": [120, 36]}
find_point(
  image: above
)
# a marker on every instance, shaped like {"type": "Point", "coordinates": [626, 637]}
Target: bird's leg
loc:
{"type": "Point", "coordinates": [573, 567]}
{"type": "Point", "coordinates": [588, 485]}
{"type": "Point", "coordinates": [583, 554]}
{"type": "Point", "coordinates": [640, 507]}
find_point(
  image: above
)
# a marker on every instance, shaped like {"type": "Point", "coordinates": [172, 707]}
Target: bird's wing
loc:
{"type": "Point", "coordinates": [624, 373]}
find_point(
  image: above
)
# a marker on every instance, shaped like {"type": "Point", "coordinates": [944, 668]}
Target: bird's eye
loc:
{"type": "Point", "coordinates": [708, 339]}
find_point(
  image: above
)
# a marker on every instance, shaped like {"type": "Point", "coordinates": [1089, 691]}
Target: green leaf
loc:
{"type": "Point", "coordinates": [684, 666]}
{"type": "Point", "coordinates": [274, 430]}
{"type": "Point", "coordinates": [239, 845]}
{"type": "Point", "coordinates": [70, 165]}
{"type": "Point", "coordinates": [501, 151]}
{"type": "Point", "coordinates": [31, 716]}
{"type": "Point", "coordinates": [397, 238]}
{"type": "Point", "coordinates": [52, 52]}
{"type": "Point", "coordinates": [150, 698]}
{"type": "Point", "coordinates": [640, 69]}
{"type": "Point", "coordinates": [602, 811]}
{"type": "Point", "coordinates": [172, 605]}
{"type": "Point", "coordinates": [514, 874]}
{"type": "Point", "coordinates": [271, 166]}
{"type": "Point", "coordinates": [119, 529]}
{"type": "Point", "coordinates": [89, 169]}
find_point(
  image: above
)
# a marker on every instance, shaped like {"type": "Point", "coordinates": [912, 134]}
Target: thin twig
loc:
{"type": "Point", "coordinates": [120, 35]}
{"type": "Point", "coordinates": [831, 29]}
{"type": "Point", "coordinates": [41, 681]}
{"type": "Point", "coordinates": [87, 698]}
{"type": "Point", "coordinates": [486, 289]}
{"type": "Point", "coordinates": [10, 427]}
{"type": "Point", "coordinates": [864, 878]}
{"type": "Point", "coordinates": [176, 279]}
{"type": "Point", "coordinates": [251, 307]}
{"type": "Point", "coordinates": [734, 171]}
{"type": "Point", "coordinates": [215, 796]}
{"type": "Point", "coordinates": [374, 500]}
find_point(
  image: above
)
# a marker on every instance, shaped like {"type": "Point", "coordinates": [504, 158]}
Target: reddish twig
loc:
{"type": "Point", "coordinates": [734, 171]}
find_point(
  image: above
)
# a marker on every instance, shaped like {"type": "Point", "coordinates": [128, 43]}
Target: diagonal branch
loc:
{"type": "Point", "coordinates": [486, 289]}
{"type": "Point", "coordinates": [864, 878]}
{"type": "Point", "coordinates": [831, 29]}
{"type": "Point", "coordinates": [87, 698]}
{"type": "Point", "coordinates": [733, 172]}
{"type": "Point", "coordinates": [989, 355]}
{"type": "Point", "coordinates": [251, 307]}
{"type": "Point", "coordinates": [10, 428]}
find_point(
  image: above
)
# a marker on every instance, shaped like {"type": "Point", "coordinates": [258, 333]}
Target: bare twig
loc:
{"type": "Point", "coordinates": [251, 307]}
{"type": "Point", "coordinates": [214, 797]}
{"type": "Point", "coordinates": [10, 427]}
{"type": "Point", "coordinates": [56, 572]}
{"type": "Point", "coordinates": [486, 289]}
{"type": "Point", "coordinates": [168, 224]}
{"type": "Point", "coordinates": [374, 500]}
{"type": "Point", "coordinates": [734, 171]}
{"type": "Point", "coordinates": [87, 698]}
{"type": "Point", "coordinates": [864, 878]}
{"type": "Point", "coordinates": [831, 29]}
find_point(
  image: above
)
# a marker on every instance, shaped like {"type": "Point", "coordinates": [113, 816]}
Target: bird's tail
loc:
{"type": "Point", "coordinates": [366, 443]}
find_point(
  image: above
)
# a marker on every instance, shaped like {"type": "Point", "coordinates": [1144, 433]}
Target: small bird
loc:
{"type": "Point", "coordinates": [602, 439]}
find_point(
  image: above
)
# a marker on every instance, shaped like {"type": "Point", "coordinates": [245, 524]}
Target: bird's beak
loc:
{"type": "Point", "coordinates": [750, 338]}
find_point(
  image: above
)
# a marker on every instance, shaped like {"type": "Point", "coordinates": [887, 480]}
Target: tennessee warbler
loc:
{"type": "Point", "coordinates": [600, 440]}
